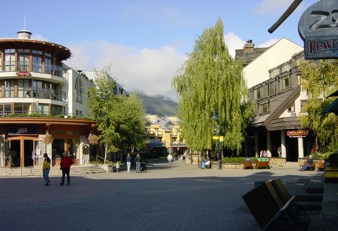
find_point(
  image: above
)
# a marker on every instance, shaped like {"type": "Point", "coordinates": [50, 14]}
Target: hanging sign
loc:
{"type": "Point", "coordinates": [318, 27]}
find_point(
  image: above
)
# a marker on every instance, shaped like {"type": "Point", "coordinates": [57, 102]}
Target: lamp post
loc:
{"type": "Point", "coordinates": [219, 159]}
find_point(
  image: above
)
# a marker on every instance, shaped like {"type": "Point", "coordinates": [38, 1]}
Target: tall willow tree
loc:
{"type": "Point", "coordinates": [209, 82]}
{"type": "Point", "coordinates": [319, 79]}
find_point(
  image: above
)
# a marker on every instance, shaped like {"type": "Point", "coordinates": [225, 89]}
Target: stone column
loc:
{"type": "Point", "coordinates": [282, 144]}
{"type": "Point", "coordinates": [300, 147]}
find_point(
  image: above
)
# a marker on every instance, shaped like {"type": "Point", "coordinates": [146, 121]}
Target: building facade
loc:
{"type": "Point", "coordinates": [278, 100]}
{"type": "Point", "coordinates": [41, 97]}
{"type": "Point", "coordinates": [164, 133]}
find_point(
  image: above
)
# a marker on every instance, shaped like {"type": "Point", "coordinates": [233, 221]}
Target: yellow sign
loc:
{"type": "Point", "coordinates": [221, 138]}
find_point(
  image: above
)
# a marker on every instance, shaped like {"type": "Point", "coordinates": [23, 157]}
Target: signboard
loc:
{"type": "Point", "coordinates": [297, 133]}
{"type": "Point", "coordinates": [318, 27]}
{"type": "Point", "coordinates": [221, 138]}
{"type": "Point", "coordinates": [22, 130]}
{"type": "Point", "coordinates": [23, 73]}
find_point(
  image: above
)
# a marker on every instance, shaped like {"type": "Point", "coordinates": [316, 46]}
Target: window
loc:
{"type": "Point", "coordinates": [78, 90]}
{"type": "Point", "coordinates": [23, 60]}
{"type": "Point", "coordinates": [21, 108]}
{"type": "Point", "coordinates": [272, 88]}
{"type": "Point", "coordinates": [44, 109]}
{"type": "Point", "coordinates": [9, 88]}
{"type": "Point", "coordinates": [23, 88]}
{"type": "Point", "coordinates": [0, 60]}
{"type": "Point", "coordinates": [56, 110]}
{"type": "Point", "coordinates": [5, 109]}
{"type": "Point", "coordinates": [37, 89]}
{"type": "Point", "coordinates": [286, 83]}
{"type": "Point", "coordinates": [37, 63]}
{"type": "Point", "coordinates": [48, 63]}
{"type": "Point", "coordinates": [9, 59]}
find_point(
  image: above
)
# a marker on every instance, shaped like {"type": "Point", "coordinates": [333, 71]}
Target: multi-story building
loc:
{"type": "Point", "coordinates": [41, 97]}
{"type": "Point", "coordinates": [278, 99]}
{"type": "Point", "coordinates": [164, 132]}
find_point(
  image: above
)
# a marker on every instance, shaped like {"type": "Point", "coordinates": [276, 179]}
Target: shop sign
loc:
{"type": "Point", "coordinates": [22, 130]}
{"type": "Point", "coordinates": [318, 27]}
{"type": "Point", "coordinates": [23, 73]}
{"type": "Point", "coordinates": [297, 133]}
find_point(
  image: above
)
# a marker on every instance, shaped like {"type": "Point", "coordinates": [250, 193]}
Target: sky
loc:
{"type": "Point", "coordinates": [145, 42]}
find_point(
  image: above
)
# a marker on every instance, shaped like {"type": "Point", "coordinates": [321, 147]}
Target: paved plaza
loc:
{"type": "Point", "coordinates": [178, 197]}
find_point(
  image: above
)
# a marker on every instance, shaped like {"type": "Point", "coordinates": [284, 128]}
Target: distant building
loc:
{"type": "Point", "coordinates": [164, 132]}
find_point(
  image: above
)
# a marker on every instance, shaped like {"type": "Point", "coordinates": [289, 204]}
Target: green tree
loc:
{"type": "Point", "coordinates": [211, 81]}
{"type": "Point", "coordinates": [319, 79]}
{"type": "Point", "coordinates": [119, 118]}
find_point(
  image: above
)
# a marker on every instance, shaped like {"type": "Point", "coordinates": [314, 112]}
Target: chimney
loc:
{"type": "Point", "coordinates": [249, 47]}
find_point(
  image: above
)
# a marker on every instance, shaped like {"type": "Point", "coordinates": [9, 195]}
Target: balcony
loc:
{"type": "Point", "coordinates": [43, 93]}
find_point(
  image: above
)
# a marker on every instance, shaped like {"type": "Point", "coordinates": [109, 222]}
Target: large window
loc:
{"type": "Point", "coordinates": [9, 59]}
{"type": "Point", "coordinates": [0, 60]}
{"type": "Point", "coordinates": [286, 82]}
{"type": "Point", "coordinates": [21, 108]}
{"type": "Point", "coordinates": [44, 109]}
{"type": "Point", "coordinates": [37, 89]}
{"type": "Point", "coordinates": [48, 63]}
{"type": "Point", "coordinates": [78, 90]}
{"type": "Point", "coordinates": [23, 60]}
{"type": "Point", "coordinates": [5, 109]}
{"type": "Point", "coordinates": [56, 110]}
{"type": "Point", "coordinates": [23, 88]}
{"type": "Point", "coordinates": [37, 60]}
{"type": "Point", "coordinates": [9, 88]}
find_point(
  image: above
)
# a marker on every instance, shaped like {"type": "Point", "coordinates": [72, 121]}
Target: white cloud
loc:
{"type": "Point", "coordinates": [147, 70]}
{"type": "Point", "coordinates": [233, 43]}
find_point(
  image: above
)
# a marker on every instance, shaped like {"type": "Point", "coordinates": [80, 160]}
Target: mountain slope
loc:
{"type": "Point", "coordinates": [158, 105]}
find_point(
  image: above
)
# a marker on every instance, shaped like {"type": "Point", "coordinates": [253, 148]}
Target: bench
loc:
{"type": "Point", "coordinates": [274, 208]}
{"type": "Point", "coordinates": [247, 164]}
{"type": "Point", "coordinates": [311, 167]}
{"type": "Point", "coordinates": [262, 163]}
{"type": "Point", "coordinates": [321, 165]}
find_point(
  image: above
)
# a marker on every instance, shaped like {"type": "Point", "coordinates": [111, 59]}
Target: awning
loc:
{"type": "Point", "coordinates": [333, 107]}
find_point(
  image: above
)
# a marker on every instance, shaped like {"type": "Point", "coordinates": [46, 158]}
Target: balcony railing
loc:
{"type": "Point", "coordinates": [43, 93]}
{"type": "Point", "coordinates": [56, 70]}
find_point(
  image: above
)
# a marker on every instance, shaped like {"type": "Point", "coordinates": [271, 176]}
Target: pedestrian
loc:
{"type": "Point", "coordinates": [128, 161]}
{"type": "Point", "coordinates": [138, 163]}
{"type": "Point", "coordinates": [308, 164]}
{"type": "Point", "coordinates": [46, 168]}
{"type": "Point", "coordinates": [117, 166]}
{"type": "Point", "coordinates": [65, 164]}
{"type": "Point", "coordinates": [170, 158]}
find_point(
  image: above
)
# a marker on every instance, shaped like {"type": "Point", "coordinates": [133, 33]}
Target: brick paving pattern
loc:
{"type": "Point", "coordinates": [181, 197]}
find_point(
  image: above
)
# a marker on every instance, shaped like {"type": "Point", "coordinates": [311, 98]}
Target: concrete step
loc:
{"type": "Point", "coordinates": [310, 197]}
{"type": "Point", "coordinates": [311, 205]}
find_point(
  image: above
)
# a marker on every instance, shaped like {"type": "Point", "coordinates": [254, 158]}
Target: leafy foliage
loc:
{"type": "Point", "coordinates": [119, 118]}
{"type": "Point", "coordinates": [211, 81]}
{"type": "Point", "coordinates": [319, 79]}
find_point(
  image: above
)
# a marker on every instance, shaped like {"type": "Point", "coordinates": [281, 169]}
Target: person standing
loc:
{"type": "Point", "coordinates": [170, 158]}
{"type": "Point", "coordinates": [128, 161]}
{"type": "Point", "coordinates": [65, 164]}
{"type": "Point", "coordinates": [46, 168]}
{"type": "Point", "coordinates": [138, 163]}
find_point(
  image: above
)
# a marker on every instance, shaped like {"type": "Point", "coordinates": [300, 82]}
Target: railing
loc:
{"type": "Point", "coordinates": [43, 93]}
{"type": "Point", "coordinates": [56, 70]}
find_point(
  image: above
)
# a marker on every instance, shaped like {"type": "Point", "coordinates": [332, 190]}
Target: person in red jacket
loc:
{"type": "Point", "coordinates": [65, 164]}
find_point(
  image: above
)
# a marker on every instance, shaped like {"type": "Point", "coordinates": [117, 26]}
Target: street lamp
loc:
{"type": "Point", "coordinates": [219, 158]}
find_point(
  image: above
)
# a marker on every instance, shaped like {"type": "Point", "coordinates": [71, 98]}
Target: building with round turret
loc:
{"type": "Point", "coordinates": [42, 103]}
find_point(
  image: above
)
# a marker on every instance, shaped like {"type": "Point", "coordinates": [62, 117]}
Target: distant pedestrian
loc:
{"type": "Point", "coordinates": [128, 161]}
{"type": "Point", "coordinates": [46, 168]}
{"type": "Point", "coordinates": [65, 164]}
{"type": "Point", "coordinates": [170, 158]}
{"type": "Point", "coordinates": [138, 163]}
{"type": "Point", "coordinates": [117, 166]}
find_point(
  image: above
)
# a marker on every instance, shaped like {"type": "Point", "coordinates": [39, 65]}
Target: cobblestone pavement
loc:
{"type": "Point", "coordinates": [177, 197]}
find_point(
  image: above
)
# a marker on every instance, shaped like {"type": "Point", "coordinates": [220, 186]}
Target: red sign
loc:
{"type": "Point", "coordinates": [297, 133]}
{"type": "Point", "coordinates": [23, 73]}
